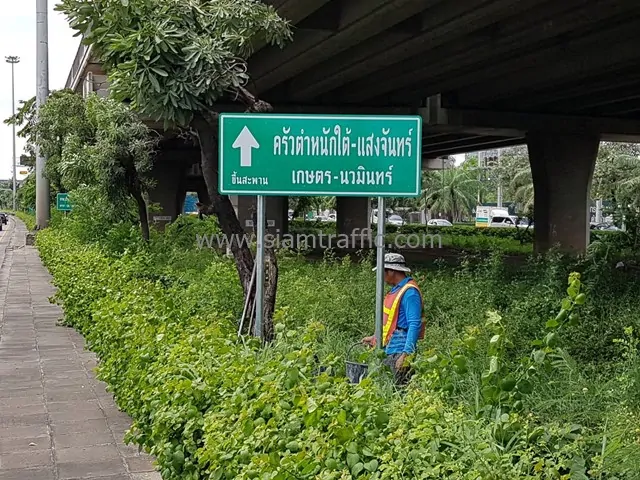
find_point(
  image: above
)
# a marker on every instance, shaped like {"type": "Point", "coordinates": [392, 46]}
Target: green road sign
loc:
{"type": "Point", "coordinates": [342, 155]}
{"type": "Point", "coordinates": [62, 202]}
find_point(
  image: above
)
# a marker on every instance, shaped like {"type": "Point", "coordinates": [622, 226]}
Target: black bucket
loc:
{"type": "Point", "coordinates": [355, 371]}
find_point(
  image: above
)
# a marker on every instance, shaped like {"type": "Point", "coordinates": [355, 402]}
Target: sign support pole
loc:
{"type": "Point", "coordinates": [260, 267]}
{"type": "Point", "coordinates": [382, 217]}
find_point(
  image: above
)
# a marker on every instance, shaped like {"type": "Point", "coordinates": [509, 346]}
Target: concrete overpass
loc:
{"type": "Point", "coordinates": [558, 76]}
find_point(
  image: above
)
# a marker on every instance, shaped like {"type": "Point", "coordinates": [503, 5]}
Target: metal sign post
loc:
{"type": "Point", "coordinates": [382, 217]}
{"type": "Point", "coordinates": [260, 268]}
{"type": "Point", "coordinates": [320, 155]}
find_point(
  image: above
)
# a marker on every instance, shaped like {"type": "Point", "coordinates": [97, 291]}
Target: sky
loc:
{"type": "Point", "coordinates": [18, 38]}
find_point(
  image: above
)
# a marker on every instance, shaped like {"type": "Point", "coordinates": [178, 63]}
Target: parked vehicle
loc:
{"type": "Point", "coordinates": [395, 220]}
{"type": "Point", "coordinates": [503, 222]}
{"type": "Point", "coordinates": [604, 226]}
{"type": "Point", "coordinates": [4, 218]}
{"type": "Point", "coordinates": [439, 222]}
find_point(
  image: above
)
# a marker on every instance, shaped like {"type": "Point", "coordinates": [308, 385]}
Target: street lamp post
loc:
{"type": "Point", "coordinates": [13, 60]}
{"type": "Point", "coordinates": [42, 76]}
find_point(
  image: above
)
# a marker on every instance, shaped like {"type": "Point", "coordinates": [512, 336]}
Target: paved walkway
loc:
{"type": "Point", "coordinates": [57, 422]}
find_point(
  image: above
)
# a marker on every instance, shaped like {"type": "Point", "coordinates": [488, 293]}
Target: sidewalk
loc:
{"type": "Point", "coordinates": [57, 422]}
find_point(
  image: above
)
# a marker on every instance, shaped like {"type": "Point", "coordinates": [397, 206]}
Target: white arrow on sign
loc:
{"type": "Point", "coordinates": [246, 142]}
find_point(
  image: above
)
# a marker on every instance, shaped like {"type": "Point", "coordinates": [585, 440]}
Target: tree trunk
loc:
{"type": "Point", "coordinates": [134, 187]}
{"type": "Point", "coordinates": [144, 215]}
{"type": "Point", "coordinates": [231, 227]}
{"type": "Point", "coordinates": [221, 205]}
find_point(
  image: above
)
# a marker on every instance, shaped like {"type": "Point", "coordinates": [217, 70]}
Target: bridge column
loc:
{"type": "Point", "coordinates": [277, 211]}
{"type": "Point", "coordinates": [562, 168]}
{"type": "Point", "coordinates": [169, 178]}
{"type": "Point", "coordinates": [354, 216]}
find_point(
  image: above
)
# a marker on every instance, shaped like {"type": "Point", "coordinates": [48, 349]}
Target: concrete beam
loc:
{"type": "Point", "coordinates": [515, 124]}
{"type": "Point", "coordinates": [454, 30]}
{"type": "Point", "coordinates": [436, 163]}
{"type": "Point", "coordinates": [567, 94]}
{"type": "Point", "coordinates": [361, 19]}
{"type": "Point", "coordinates": [327, 17]}
{"type": "Point", "coordinates": [611, 45]}
{"type": "Point", "coordinates": [472, 144]}
{"type": "Point", "coordinates": [597, 47]}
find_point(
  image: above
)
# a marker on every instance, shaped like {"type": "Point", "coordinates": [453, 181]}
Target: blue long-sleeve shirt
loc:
{"type": "Point", "coordinates": [409, 319]}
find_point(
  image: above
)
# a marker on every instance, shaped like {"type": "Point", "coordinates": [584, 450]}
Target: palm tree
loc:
{"type": "Point", "coordinates": [451, 192]}
{"type": "Point", "coordinates": [521, 186]}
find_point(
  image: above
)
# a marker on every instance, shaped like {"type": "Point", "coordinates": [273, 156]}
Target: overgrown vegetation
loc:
{"type": "Point", "coordinates": [507, 387]}
{"type": "Point", "coordinates": [94, 142]}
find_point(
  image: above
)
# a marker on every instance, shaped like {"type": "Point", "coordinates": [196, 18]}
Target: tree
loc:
{"type": "Point", "coordinates": [26, 194]}
{"type": "Point", "coordinates": [99, 142]}
{"type": "Point", "coordinates": [174, 61]}
{"type": "Point", "coordinates": [616, 178]}
{"type": "Point", "coordinates": [451, 192]}
{"type": "Point", "coordinates": [515, 169]}
{"type": "Point", "coordinates": [6, 194]}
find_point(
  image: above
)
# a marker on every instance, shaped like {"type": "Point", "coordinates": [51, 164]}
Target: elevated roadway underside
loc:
{"type": "Point", "coordinates": [558, 75]}
{"type": "Point", "coordinates": [472, 67]}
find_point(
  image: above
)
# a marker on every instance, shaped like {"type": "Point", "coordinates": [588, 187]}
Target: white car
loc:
{"type": "Point", "coordinates": [395, 220]}
{"type": "Point", "coordinates": [439, 222]}
{"type": "Point", "coordinates": [502, 222]}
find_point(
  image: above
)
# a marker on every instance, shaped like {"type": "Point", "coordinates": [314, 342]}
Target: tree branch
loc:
{"type": "Point", "coordinates": [253, 104]}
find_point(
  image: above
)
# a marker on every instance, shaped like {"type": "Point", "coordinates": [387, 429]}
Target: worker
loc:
{"type": "Point", "coordinates": [403, 322]}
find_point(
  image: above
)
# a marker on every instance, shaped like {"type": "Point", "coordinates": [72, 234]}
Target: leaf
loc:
{"type": "Point", "coordinates": [371, 466]}
{"type": "Point", "coordinates": [539, 356]}
{"type": "Point", "coordinates": [352, 459]}
{"type": "Point", "coordinates": [312, 406]}
{"type": "Point", "coordinates": [460, 361]}
{"type": "Point", "coordinates": [382, 419]}
{"type": "Point", "coordinates": [342, 417]}
{"type": "Point", "coordinates": [553, 323]}
{"type": "Point", "coordinates": [160, 71]}
{"type": "Point", "coordinates": [154, 82]}
{"type": "Point", "coordinates": [344, 434]}
{"type": "Point", "coordinates": [357, 469]}
{"type": "Point", "coordinates": [493, 365]}
{"type": "Point", "coordinates": [525, 387]}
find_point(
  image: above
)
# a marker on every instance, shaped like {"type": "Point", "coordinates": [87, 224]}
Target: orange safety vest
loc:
{"type": "Point", "coordinates": [392, 310]}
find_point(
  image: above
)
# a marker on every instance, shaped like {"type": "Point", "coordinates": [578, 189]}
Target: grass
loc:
{"type": "Point", "coordinates": [28, 218]}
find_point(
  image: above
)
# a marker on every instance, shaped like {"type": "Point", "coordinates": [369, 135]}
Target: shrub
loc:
{"type": "Point", "coordinates": [211, 406]}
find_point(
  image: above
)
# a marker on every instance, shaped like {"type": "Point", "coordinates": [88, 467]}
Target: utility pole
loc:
{"type": "Point", "coordinates": [599, 211]}
{"type": "Point", "coordinates": [480, 167]}
{"type": "Point", "coordinates": [42, 82]}
{"type": "Point", "coordinates": [499, 182]}
{"type": "Point", "coordinates": [13, 60]}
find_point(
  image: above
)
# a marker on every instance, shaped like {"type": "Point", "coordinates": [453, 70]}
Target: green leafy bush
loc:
{"type": "Point", "coordinates": [28, 219]}
{"type": "Point", "coordinates": [211, 406]}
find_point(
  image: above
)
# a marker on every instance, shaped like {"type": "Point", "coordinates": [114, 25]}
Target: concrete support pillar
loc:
{"type": "Point", "coordinates": [277, 209]}
{"type": "Point", "coordinates": [168, 192]}
{"type": "Point", "coordinates": [562, 168]}
{"type": "Point", "coordinates": [353, 216]}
